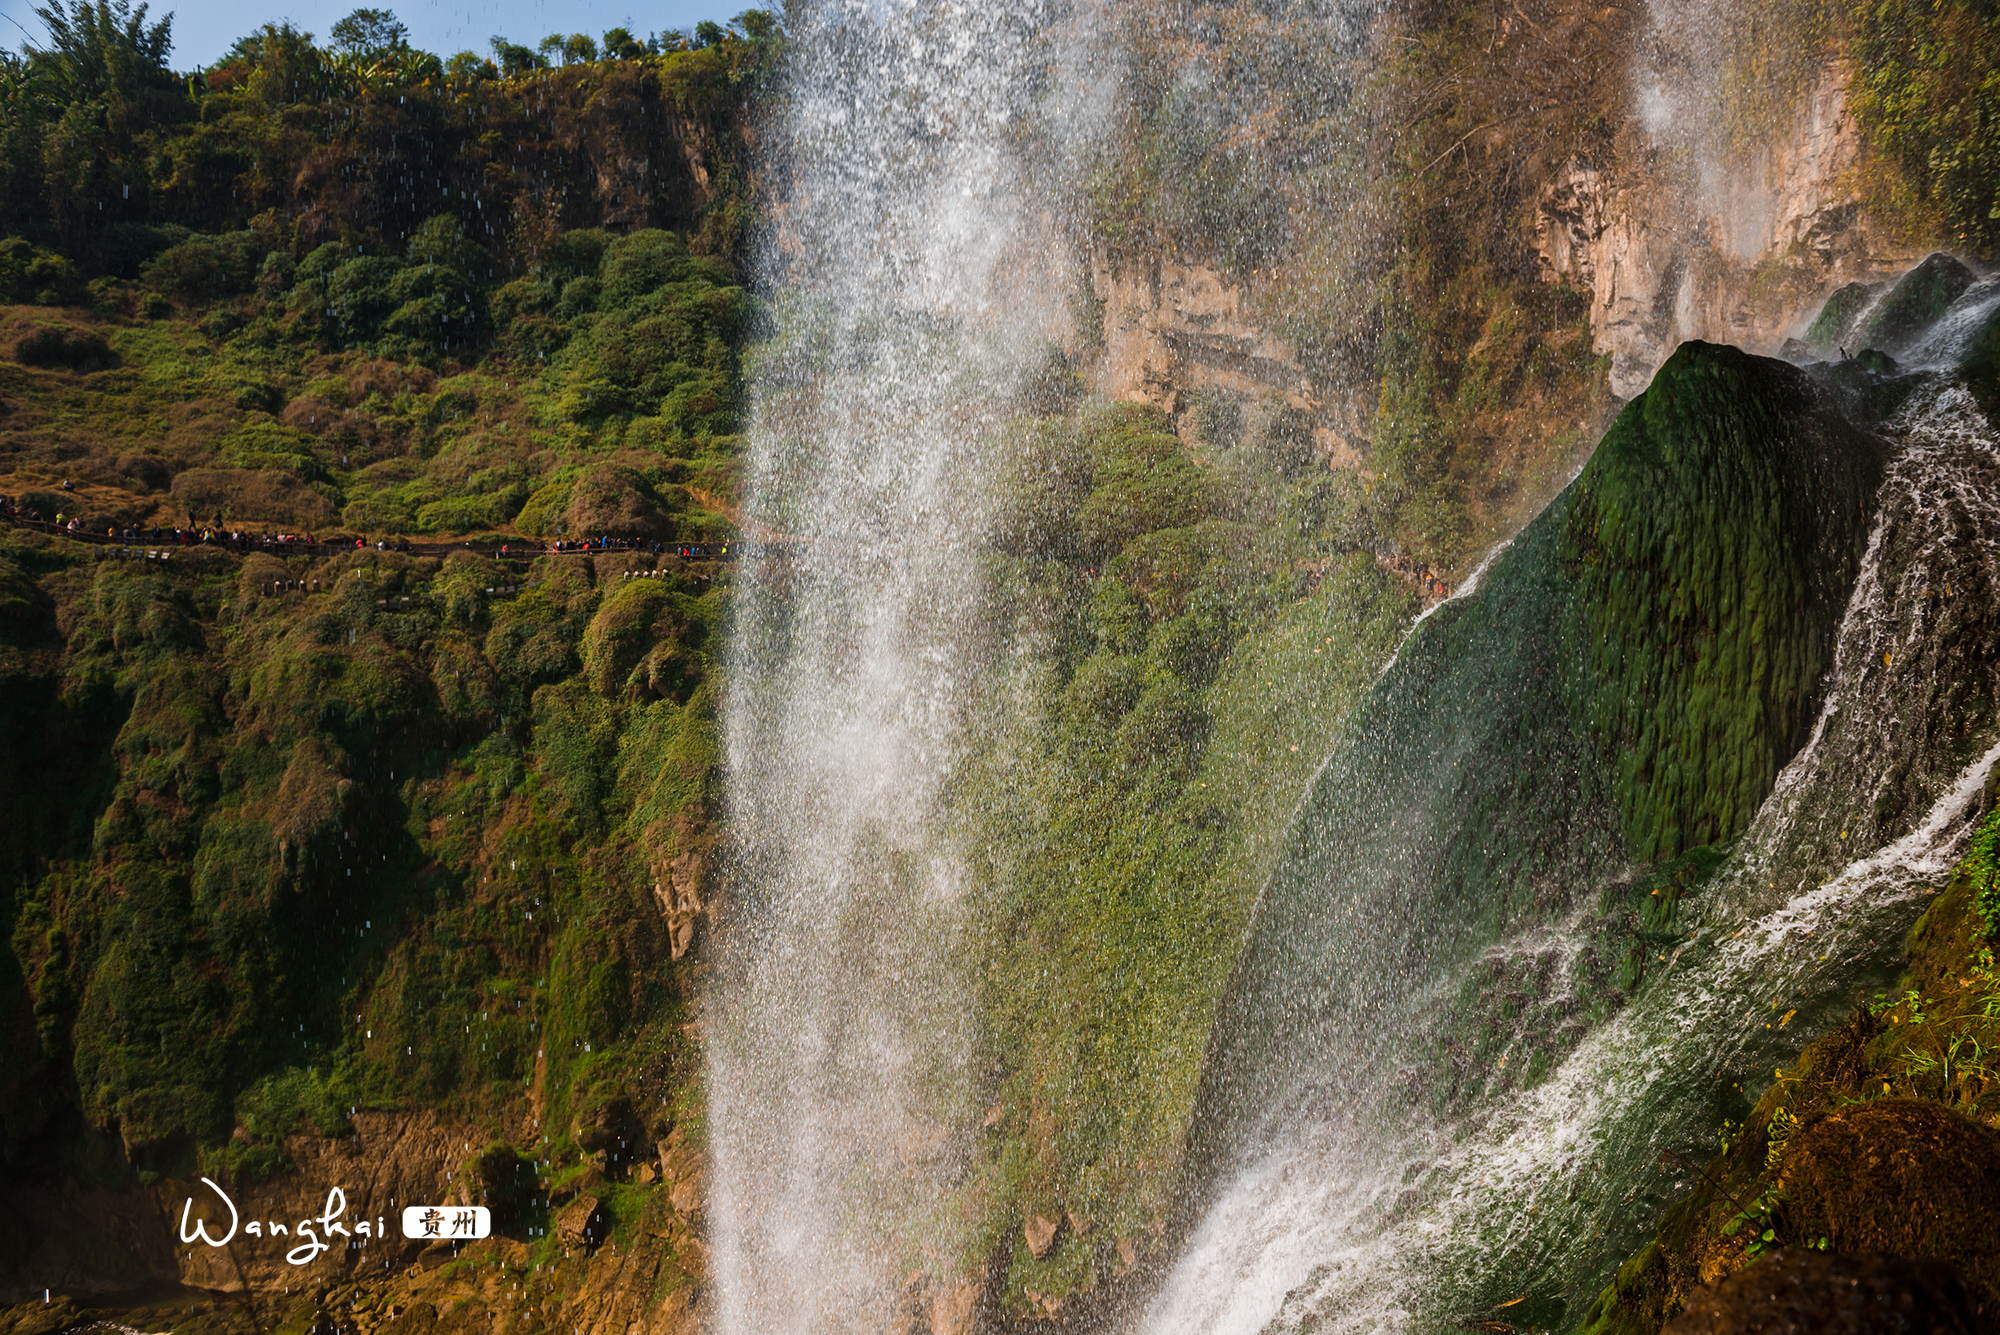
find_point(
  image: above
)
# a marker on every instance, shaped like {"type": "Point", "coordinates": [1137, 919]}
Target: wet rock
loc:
{"type": "Point", "coordinates": [1725, 497]}
{"type": "Point", "coordinates": [606, 1125]}
{"type": "Point", "coordinates": [1915, 303]}
{"type": "Point", "coordinates": [1739, 263]}
{"type": "Point", "coordinates": [1981, 367]}
{"type": "Point", "coordinates": [39, 1318]}
{"type": "Point", "coordinates": [1804, 1291]}
{"type": "Point", "coordinates": [411, 1320]}
{"type": "Point", "coordinates": [1833, 327]}
{"type": "Point", "coordinates": [1040, 1233]}
{"type": "Point", "coordinates": [507, 1182]}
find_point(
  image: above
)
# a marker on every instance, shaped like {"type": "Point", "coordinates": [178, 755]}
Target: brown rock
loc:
{"type": "Point", "coordinates": [681, 937]}
{"type": "Point", "coordinates": [583, 1223]}
{"type": "Point", "coordinates": [1040, 1232]}
{"type": "Point", "coordinates": [1801, 1292]}
{"type": "Point", "coordinates": [39, 1318]}
{"type": "Point", "coordinates": [688, 1193]}
{"type": "Point", "coordinates": [1899, 1177]}
{"type": "Point", "coordinates": [955, 1311]}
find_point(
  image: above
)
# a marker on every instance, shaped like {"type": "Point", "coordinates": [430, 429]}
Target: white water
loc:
{"type": "Point", "coordinates": [1345, 1226]}
{"type": "Point", "coordinates": [915, 293]}
{"type": "Point", "coordinates": [1948, 341]}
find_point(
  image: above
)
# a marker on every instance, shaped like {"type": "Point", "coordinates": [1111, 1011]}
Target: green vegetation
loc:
{"type": "Point", "coordinates": [356, 286]}
{"type": "Point", "coordinates": [1927, 91]}
{"type": "Point", "coordinates": [1197, 650]}
{"type": "Point", "coordinates": [291, 837]}
{"type": "Point", "coordinates": [1373, 199]}
{"type": "Point", "coordinates": [1544, 763]}
{"type": "Point", "coordinates": [317, 853]}
{"type": "Point", "coordinates": [1878, 1139]}
{"type": "Point", "coordinates": [338, 394]}
{"type": "Point", "coordinates": [1712, 539]}
{"type": "Point", "coordinates": [110, 157]}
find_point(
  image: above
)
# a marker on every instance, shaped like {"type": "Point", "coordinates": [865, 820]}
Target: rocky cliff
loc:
{"type": "Point", "coordinates": [1739, 250]}
{"type": "Point", "coordinates": [1671, 244]}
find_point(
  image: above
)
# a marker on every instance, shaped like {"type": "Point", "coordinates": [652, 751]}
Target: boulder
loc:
{"type": "Point", "coordinates": [583, 1223]}
{"type": "Point", "coordinates": [1915, 303]}
{"type": "Point", "coordinates": [1040, 1232]}
{"type": "Point", "coordinates": [1803, 1291]}
{"type": "Point", "coordinates": [1902, 1177]}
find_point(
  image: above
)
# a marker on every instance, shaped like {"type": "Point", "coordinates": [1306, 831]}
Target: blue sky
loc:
{"type": "Point", "coordinates": [204, 29]}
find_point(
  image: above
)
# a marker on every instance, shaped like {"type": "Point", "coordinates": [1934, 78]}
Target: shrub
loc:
{"type": "Point", "coordinates": [1928, 92]}
{"type": "Point", "coordinates": [123, 248]}
{"type": "Point", "coordinates": [1149, 486]}
{"type": "Point", "coordinates": [65, 346]}
{"type": "Point", "coordinates": [619, 501]}
{"type": "Point", "coordinates": [30, 274]}
{"type": "Point", "coordinates": [441, 240]}
{"type": "Point", "coordinates": [286, 1100]}
{"type": "Point", "coordinates": [207, 268]}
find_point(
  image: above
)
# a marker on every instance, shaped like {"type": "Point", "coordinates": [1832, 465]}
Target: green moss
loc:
{"type": "Point", "coordinates": [1834, 324]}
{"type": "Point", "coordinates": [1713, 538]}
{"type": "Point", "coordinates": [1925, 94]}
{"type": "Point", "coordinates": [1124, 802]}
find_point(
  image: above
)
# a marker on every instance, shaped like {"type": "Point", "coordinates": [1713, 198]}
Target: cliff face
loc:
{"type": "Point", "coordinates": [1670, 249]}
{"type": "Point", "coordinates": [1175, 329]}
{"type": "Point", "coordinates": [1740, 251]}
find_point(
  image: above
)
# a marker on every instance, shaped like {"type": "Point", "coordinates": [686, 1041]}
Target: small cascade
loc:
{"type": "Point", "coordinates": [1467, 1103]}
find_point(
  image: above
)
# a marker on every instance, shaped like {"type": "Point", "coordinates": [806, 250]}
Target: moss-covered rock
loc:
{"type": "Point", "coordinates": [1834, 324]}
{"type": "Point", "coordinates": [1915, 303]}
{"type": "Point", "coordinates": [1900, 1177]}
{"type": "Point", "coordinates": [1712, 540]}
{"type": "Point", "coordinates": [1836, 1295]}
{"type": "Point", "coordinates": [1981, 367]}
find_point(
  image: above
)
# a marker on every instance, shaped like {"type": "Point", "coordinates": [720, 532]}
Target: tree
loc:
{"type": "Point", "coordinates": [107, 52]}
{"type": "Point", "coordinates": [578, 49]}
{"type": "Point", "coordinates": [708, 33]}
{"type": "Point", "coordinates": [370, 34]}
{"type": "Point", "coordinates": [467, 68]}
{"type": "Point", "coordinates": [285, 65]}
{"type": "Point", "coordinates": [515, 59]}
{"type": "Point", "coordinates": [620, 44]}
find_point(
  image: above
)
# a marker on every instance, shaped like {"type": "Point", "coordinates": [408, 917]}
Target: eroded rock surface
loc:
{"type": "Point", "coordinates": [1740, 252]}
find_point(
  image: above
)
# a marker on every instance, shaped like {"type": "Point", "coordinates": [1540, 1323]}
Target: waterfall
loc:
{"type": "Point", "coordinates": [914, 292]}
{"type": "Point", "coordinates": [1356, 1197]}
{"type": "Point", "coordinates": [1469, 1044]}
